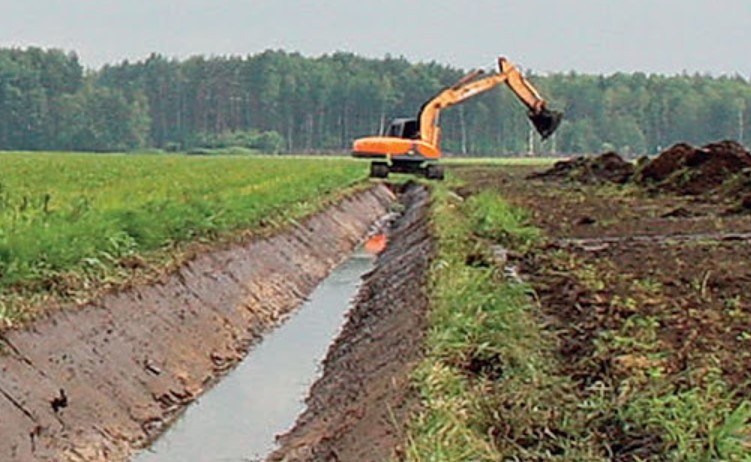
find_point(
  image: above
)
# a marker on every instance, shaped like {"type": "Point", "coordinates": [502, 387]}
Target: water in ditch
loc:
{"type": "Point", "coordinates": [238, 419]}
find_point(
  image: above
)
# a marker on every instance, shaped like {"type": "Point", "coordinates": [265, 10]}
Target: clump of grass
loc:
{"type": "Point", "coordinates": [493, 218]}
{"type": "Point", "coordinates": [701, 423]}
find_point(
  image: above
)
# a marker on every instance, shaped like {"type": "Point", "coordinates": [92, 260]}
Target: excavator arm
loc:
{"type": "Point", "coordinates": [544, 120]}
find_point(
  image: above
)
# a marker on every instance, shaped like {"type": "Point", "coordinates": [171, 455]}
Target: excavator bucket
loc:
{"type": "Point", "coordinates": [546, 121]}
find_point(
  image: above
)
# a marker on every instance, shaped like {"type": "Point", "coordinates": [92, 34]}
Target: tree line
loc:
{"type": "Point", "coordinates": [277, 101]}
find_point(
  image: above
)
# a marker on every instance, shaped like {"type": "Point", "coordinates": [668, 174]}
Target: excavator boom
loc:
{"type": "Point", "coordinates": [543, 119]}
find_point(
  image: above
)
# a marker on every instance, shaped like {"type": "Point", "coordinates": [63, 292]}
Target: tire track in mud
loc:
{"type": "Point", "coordinates": [97, 382]}
{"type": "Point", "coordinates": [356, 411]}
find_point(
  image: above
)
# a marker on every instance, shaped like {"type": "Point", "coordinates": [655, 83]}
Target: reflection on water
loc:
{"type": "Point", "coordinates": [376, 244]}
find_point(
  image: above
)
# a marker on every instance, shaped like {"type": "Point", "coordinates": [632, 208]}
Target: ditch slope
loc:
{"type": "Point", "coordinates": [97, 382]}
{"type": "Point", "coordinates": [357, 409]}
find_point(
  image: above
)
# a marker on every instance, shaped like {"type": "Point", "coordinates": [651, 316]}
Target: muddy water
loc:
{"type": "Point", "coordinates": [239, 418]}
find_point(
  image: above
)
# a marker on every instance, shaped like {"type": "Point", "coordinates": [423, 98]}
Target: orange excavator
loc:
{"type": "Point", "coordinates": [413, 145]}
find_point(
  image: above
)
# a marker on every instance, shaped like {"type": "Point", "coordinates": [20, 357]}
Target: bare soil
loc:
{"type": "Point", "coordinates": [357, 409]}
{"type": "Point", "coordinates": [608, 167]}
{"type": "Point", "coordinates": [682, 169]}
{"type": "Point", "coordinates": [96, 382]}
{"type": "Point", "coordinates": [617, 258]}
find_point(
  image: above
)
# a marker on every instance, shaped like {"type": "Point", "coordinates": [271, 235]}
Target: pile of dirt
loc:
{"type": "Point", "coordinates": [687, 170]}
{"type": "Point", "coordinates": [682, 169]}
{"type": "Point", "coordinates": [605, 168]}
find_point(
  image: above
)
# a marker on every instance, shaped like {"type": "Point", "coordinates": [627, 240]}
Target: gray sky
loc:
{"type": "Point", "coordinates": [594, 36]}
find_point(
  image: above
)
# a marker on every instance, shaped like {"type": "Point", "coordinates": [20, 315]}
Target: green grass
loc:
{"type": "Point", "coordinates": [699, 424]}
{"type": "Point", "coordinates": [495, 219]}
{"type": "Point", "coordinates": [488, 385]}
{"type": "Point", "coordinates": [63, 214]}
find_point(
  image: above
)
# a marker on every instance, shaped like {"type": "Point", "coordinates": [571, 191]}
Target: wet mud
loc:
{"type": "Point", "coordinates": [357, 410]}
{"type": "Point", "coordinates": [96, 382]}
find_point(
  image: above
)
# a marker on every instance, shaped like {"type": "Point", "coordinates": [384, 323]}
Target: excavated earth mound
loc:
{"type": "Point", "coordinates": [607, 167]}
{"type": "Point", "coordinates": [356, 411]}
{"type": "Point", "coordinates": [684, 169]}
{"type": "Point", "coordinates": [97, 382]}
{"type": "Point", "coordinates": [722, 168]}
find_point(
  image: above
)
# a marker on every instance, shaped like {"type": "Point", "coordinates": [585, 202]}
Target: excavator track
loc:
{"type": "Point", "coordinates": [429, 170]}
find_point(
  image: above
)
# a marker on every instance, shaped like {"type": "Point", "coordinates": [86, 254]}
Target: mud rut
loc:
{"type": "Point", "coordinates": [96, 383]}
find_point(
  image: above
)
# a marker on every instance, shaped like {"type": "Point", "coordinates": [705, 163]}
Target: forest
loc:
{"type": "Point", "coordinates": [279, 102]}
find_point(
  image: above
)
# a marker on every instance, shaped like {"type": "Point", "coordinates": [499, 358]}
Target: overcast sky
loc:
{"type": "Point", "coordinates": [593, 36]}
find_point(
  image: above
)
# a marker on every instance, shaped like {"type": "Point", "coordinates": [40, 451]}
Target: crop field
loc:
{"type": "Point", "coordinates": [67, 220]}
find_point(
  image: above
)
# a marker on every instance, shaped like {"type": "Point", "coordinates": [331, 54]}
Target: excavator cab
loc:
{"type": "Point", "coordinates": [403, 128]}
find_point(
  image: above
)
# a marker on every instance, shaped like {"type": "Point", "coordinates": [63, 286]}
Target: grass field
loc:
{"type": "Point", "coordinates": [76, 214]}
{"type": "Point", "coordinates": [68, 220]}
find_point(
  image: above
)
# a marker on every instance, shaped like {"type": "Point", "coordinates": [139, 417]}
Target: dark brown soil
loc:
{"type": "Point", "coordinates": [357, 409]}
{"type": "Point", "coordinates": [94, 383]}
{"type": "Point", "coordinates": [615, 262]}
{"type": "Point", "coordinates": [693, 290]}
{"type": "Point", "coordinates": [682, 169]}
{"type": "Point", "coordinates": [608, 167]}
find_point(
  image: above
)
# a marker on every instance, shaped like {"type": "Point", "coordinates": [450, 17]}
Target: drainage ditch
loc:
{"type": "Point", "coordinates": [130, 364]}
{"type": "Point", "coordinates": [239, 419]}
{"type": "Point", "coordinates": [358, 409]}
{"type": "Point", "coordinates": [96, 382]}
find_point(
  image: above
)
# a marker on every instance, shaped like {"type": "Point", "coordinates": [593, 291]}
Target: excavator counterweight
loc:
{"type": "Point", "coordinates": [413, 145]}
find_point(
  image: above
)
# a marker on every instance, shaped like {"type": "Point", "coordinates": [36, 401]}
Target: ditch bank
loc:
{"type": "Point", "coordinates": [98, 382]}
{"type": "Point", "coordinates": [357, 410]}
